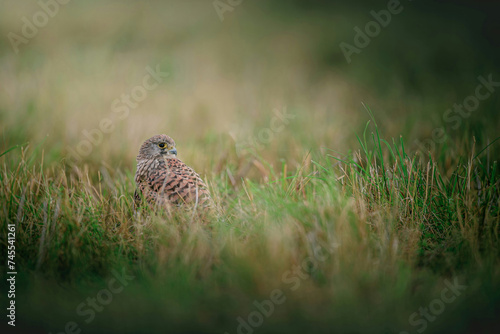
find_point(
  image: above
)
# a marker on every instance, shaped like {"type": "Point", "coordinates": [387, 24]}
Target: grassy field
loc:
{"type": "Point", "coordinates": [347, 202]}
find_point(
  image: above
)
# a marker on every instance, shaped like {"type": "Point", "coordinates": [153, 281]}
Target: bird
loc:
{"type": "Point", "coordinates": [163, 180]}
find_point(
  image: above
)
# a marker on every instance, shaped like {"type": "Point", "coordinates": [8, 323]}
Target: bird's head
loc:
{"type": "Point", "coordinates": [159, 146]}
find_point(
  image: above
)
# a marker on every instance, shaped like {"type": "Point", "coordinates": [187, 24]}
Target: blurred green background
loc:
{"type": "Point", "coordinates": [226, 80]}
{"type": "Point", "coordinates": [227, 77]}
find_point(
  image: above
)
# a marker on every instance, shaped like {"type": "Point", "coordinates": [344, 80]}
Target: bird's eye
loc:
{"type": "Point", "coordinates": [162, 145]}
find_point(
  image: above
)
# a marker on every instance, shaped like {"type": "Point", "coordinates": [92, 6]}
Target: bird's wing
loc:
{"type": "Point", "coordinates": [174, 182]}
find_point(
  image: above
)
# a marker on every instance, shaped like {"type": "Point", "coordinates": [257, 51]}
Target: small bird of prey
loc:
{"type": "Point", "coordinates": [163, 180]}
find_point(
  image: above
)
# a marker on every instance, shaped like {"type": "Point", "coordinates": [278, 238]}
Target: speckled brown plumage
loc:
{"type": "Point", "coordinates": [162, 179]}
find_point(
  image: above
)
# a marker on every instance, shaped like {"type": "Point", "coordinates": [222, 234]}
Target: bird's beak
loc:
{"type": "Point", "coordinates": [173, 151]}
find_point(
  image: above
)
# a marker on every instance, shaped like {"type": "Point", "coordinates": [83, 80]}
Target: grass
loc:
{"type": "Point", "coordinates": [393, 236]}
{"type": "Point", "coordinates": [341, 210]}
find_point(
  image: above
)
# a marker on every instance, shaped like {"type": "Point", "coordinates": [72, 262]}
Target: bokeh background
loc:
{"type": "Point", "coordinates": [227, 77]}
{"type": "Point", "coordinates": [226, 80]}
